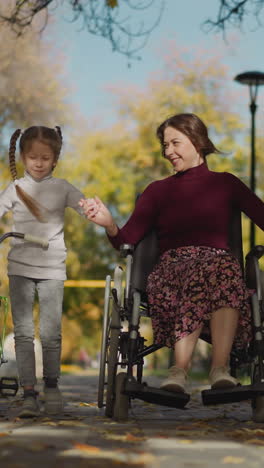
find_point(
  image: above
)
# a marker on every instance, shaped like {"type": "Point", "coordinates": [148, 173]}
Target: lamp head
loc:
{"type": "Point", "coordinates": [251, 78]}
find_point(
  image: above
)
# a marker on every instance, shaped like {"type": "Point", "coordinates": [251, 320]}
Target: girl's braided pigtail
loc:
{"type": "Point", "coordinates": [30, 203]}
{"type": "Point", "coordinates": [59, 133]}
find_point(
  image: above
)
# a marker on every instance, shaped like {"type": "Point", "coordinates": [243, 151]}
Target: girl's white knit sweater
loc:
{"type": "Point", "coordinates": [54, 195]}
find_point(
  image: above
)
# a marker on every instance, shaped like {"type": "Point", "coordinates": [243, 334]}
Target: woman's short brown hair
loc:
{"type": "Point", "coordinates": [191, 126]}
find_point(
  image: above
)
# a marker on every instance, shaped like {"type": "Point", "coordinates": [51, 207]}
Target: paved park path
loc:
{"type": "Point", "coordinates": [155, 436]}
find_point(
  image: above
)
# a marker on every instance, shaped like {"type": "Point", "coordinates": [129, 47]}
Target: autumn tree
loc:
{"type": "Point", "coordinates": [31, 90]}
{"type": "Point", "coordinates": [31, 87]}
{"type": "Point", "coordinates": [122, 23]}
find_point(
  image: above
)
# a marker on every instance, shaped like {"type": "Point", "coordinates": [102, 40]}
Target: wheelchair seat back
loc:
{"type": "Point", "coordinates": [144, 259]}
{"type": "Point", "coordinates": [146, 253]}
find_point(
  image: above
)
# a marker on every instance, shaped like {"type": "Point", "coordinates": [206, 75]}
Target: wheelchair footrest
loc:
{"type": "Point", "coordinates": [232, 395]}
{"type": "Point", "coordinates": [8, 386]}
{"type": "Point", "coordinates": [155, 395]}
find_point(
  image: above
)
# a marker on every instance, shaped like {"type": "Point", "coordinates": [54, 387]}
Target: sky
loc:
{"type": "Point", "coordinates": [91, 66]}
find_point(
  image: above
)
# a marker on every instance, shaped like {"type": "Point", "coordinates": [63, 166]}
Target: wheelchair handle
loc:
{"type": "Point", "coordinates": [27, 237]}
{"type": "Point", "coordinates": [257, 251]}
{"type": "Point", "coordinates": [37, 240]}
{"type": "Point", "coordinates": [126, 249]}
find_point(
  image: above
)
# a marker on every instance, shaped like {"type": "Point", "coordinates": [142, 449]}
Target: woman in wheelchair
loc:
{"type": "Point", "coordinates": [197, 284]}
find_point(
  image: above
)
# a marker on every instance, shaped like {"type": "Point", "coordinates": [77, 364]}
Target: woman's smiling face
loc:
{"type": "Point", "coordinates": [179, 150]}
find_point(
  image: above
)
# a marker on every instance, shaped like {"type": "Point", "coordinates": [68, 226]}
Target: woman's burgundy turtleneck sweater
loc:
{"type": "Point", "coordinates": [190, 208]}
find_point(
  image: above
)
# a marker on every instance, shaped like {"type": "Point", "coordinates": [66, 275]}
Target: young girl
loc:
{"type": "Point", "coordinates": [38, 201]}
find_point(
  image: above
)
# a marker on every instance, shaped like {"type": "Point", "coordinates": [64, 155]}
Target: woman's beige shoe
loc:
{"type": "Point", "coordinates": [219, 377]}
{"type": "Point", "coordinates": [176, 381]}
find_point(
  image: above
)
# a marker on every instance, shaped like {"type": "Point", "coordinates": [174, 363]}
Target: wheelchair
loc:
{"type": "Point", "coordinates": [123, 349]}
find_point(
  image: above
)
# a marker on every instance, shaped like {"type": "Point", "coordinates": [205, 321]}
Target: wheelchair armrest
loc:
{"type": "Point", "coordinates": [257, 251]}
{"type": "Point", "coordinates": [126, 249]}
{"type": "Point", "coordinates": [253, 275]}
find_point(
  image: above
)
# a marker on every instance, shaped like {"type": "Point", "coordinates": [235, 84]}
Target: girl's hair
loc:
{"type": "Point", "coordinates": [49, 136]}
{"type": "Point", "coordinates": [191, 126]}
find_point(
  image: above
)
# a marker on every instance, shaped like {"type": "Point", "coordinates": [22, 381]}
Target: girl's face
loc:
{"type": "Point", "coordinates": [179, 150]}
{"type": "Point", "coordinates": [39, 160]}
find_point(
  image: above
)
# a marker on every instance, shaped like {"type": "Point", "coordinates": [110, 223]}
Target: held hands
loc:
{"type": "Point", "coordinates": [96, 211]}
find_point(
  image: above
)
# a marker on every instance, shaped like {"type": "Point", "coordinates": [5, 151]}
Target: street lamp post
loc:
{"type": "Point", "coordinates": [253, 79]}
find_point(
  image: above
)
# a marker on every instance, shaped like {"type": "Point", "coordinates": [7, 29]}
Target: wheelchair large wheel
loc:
{"type": "Point", "coordinates": [121, 404]}
{"type": "Point", "coordinates": [104, 342]}
{"type": "Point", "coordinates": [113, 342]}
{"type": "Point", "coordinates": [257, 402]}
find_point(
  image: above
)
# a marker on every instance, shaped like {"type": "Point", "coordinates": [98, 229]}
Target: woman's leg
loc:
{"type": "Point", "coordinates": [223, 327]}
{"type": "Point", "coordinates": [183, 349]}
{"type": "Point", "coordinates": [22, 293]}
{"type": "Point", "coordinates": [50, 293]}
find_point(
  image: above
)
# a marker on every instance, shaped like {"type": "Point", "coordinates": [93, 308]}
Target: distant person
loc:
{"type": "Point", "coordinates": [38, 201]}
{"type": "Point", "coordinates": [84, 359]}
{"type": "Point", "coordinates": [197, 283]}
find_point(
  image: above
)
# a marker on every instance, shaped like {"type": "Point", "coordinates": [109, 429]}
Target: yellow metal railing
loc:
{"type": "Point", "coordinates": [84, 283]}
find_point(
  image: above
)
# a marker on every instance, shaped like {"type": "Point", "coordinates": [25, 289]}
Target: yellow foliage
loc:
{"type": "Point", "coordinates": [91, 311]}
{"type": "Point", "coordinates": [71, 333]}
{"type": "Point", "coordinates": [119, 162]}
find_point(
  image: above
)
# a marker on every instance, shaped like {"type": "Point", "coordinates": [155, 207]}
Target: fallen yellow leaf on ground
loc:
{"type": "Point", "coordinates": [186, 441]}
{"type": "Point", "coordinates": [131, 438]}
{"type": "Point", "coordinates": [116, 456]}
{"type": "Point", "coordinates": [86, 448]}
{"type": "Point", "coordinates": [232, 460]}
{"type": "Point", "coordinates": [245, 433]}
{"type": "Point", "coordinates": [87, 404]}
{"type": "Point", "coordinates": [255, 441]}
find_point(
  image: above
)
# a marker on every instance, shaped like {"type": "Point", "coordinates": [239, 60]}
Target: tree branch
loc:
{"type": "Point", "coordinates": [111, 19]}
{"type": "Point", "coordinates": [234, 12]}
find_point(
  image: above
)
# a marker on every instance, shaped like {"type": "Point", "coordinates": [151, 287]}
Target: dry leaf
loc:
{"type": "Point", "coordinates": [131, 438]}
{"type": "Point", "coordinates": [119, 437]}
{"type": "Point", "coordinates": [87, 404]}
{"type": "Point", "coordinates": [86, 448]}
{"type": "Point", "coordinates": [245, 433]}
{"type": "Point", "coordinates": [254, 441]}
{"type": "Point", "coordinates": [88, 451]}
{"type": "Point", "coordinates": [72, 423]}
{"type": "Point", "coordinates": [4, 434]}
{"type": "Point", "coordinates": [232, 460]}
{"type": "Point", "coordinates": [50, 423]}
{"type": "Point", "coordinates": [112, 3]}
{"type": "Point", "coordinates": [38, 447]}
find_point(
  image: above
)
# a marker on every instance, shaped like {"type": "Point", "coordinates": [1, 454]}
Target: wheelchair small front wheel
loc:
{"type": "Point", "coordinates": [121, 404]}
{"type": "Point", "coordinates": [258, 409]}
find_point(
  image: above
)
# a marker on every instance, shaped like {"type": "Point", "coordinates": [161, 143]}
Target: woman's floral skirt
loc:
{"type": "Point", "coordinates": [188, 285]}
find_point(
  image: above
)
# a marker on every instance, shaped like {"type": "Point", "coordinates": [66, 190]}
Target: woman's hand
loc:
{"type": "Point", "coordinates": [96, 211]}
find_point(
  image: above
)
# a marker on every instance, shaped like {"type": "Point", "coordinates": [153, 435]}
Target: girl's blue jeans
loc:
{"type": "Point", "coordinates": [50, 296]}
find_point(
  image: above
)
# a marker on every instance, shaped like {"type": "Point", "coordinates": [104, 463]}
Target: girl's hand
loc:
{"type": "Point", "coordinates": [96, 211]}
{"type": "Point", "coordinates": [89, 207]}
